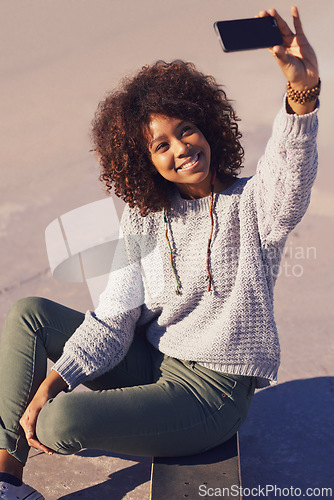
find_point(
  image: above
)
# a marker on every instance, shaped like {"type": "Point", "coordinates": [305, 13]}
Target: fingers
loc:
{"type": "Point", "coordinates": [295, 56]}
{"type": "Point", "coordinates": [29, 430]}
{"type": "Point", "coordinates": [283, 25]}
{"type": "Point", "coordinates": [34, 443]}
{"type": "Point", "coordinates": [279, 52]}
{"type": "Point", "coordinates": [296, 21]}
{"type": "Point", "coordinates": [27, 426]}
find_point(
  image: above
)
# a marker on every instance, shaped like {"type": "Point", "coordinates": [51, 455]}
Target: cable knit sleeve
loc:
{"type": "Point", "coordinates": [285, 175]}
{"type": "Point", "coordinates": [104, 337]}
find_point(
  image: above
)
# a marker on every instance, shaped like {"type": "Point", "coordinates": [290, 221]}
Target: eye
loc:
{"type": "Point", "coordinates": [161, 146]}
{"type": "Point", "coordinates": [187, 130]}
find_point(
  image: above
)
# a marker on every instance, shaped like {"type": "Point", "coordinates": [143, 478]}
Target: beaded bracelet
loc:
{"type": "Point", "coordinates": [303, 96]}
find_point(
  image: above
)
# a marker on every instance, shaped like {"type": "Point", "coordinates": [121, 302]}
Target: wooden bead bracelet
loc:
{"type": "Point", "coordinates": [303, 96]}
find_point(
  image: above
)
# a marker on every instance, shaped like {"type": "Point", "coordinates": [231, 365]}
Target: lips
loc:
{"type": "Point", "coordinates": [189, 163]}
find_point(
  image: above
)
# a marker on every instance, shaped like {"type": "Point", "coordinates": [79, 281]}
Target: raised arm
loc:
{"type": "Point", "coordinates": [286, 172]}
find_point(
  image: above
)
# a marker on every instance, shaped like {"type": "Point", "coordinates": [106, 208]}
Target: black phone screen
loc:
{"type": "Point", "coordinates": [247, 34]}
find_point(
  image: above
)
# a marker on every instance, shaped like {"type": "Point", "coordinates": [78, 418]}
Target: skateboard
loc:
{"type": "Point", "coordinates": [215, 472]}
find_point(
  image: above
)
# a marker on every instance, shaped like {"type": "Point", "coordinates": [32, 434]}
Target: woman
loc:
{"type": "Point", "coordinates": [184, 331]}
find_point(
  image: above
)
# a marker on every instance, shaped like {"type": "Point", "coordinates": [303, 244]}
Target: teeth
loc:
{"type": "Point", "coordinates": [190, 163]}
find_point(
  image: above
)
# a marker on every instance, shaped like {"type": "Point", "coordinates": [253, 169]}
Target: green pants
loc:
{"type": "Point", "coordinates": [148, 405]}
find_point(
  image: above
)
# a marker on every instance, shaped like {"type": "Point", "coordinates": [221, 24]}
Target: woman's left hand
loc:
{"type": "Point", "coordinates": [296, 57]}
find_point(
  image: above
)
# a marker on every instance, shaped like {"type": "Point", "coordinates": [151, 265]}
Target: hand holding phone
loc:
{"type": "Point", "coordinates": [248, 34]}
{"type": "Point", "coordinates": [291, 49]}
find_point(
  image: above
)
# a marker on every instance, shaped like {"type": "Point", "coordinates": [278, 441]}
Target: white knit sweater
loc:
{"type": "Point", "coordinates": [231, 329]}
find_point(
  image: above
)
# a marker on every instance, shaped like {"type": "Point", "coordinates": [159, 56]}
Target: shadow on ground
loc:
{"type": "Point", "coordinates": [120, 483]}
{"type": "Point", "coordinates": [286, 442]}
{"type": "Point", "coordinates": [288, 438]}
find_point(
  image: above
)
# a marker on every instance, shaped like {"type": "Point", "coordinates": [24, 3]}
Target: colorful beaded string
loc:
{"type": "Point", "coordinates": [208, 252]}
{"type": "Point", "coordinates": [178, 283]}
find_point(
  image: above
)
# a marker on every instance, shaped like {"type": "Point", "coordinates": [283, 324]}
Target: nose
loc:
{"type": "Point", "coordinates": [181, 148]}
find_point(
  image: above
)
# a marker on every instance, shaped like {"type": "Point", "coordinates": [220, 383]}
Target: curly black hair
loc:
{"type": "Point", "coordinates": [176, 90]}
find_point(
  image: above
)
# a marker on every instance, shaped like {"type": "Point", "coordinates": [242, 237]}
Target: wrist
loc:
{"type": "Point", "coordinates": [304, 99]}
{"type": "Point", "coordinates": [305, 85]}
{"type": "Point", "coordinates": [53, 385]}
{"type": "Point", "coordinates": [307, 94]}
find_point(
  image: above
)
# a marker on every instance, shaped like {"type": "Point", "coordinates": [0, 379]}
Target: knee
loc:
{"type": "Point", "coordinates": [24, 308]}
{"type": "Point", "coordinates": [57, 425]}
{"type": "Point", "coordinates": [26, 311]}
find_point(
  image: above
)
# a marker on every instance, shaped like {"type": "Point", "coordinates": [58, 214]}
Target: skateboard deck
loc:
{"type": "Point", "coordinates": [215, 472]}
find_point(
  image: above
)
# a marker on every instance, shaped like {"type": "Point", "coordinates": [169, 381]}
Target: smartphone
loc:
{"type": "Point", "coordinates": [248, 34]}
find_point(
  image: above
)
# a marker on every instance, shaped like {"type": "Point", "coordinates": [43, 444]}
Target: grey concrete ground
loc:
{"type": "Point", "coordinates": [59, 60]}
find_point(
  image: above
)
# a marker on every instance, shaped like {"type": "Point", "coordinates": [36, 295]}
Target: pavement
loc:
{"type": "Point", "coordinates": [59, 61]}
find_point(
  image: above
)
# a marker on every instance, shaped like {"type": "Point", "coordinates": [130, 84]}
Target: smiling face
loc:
{"type": "Point", "coordinates": [181, 154]}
